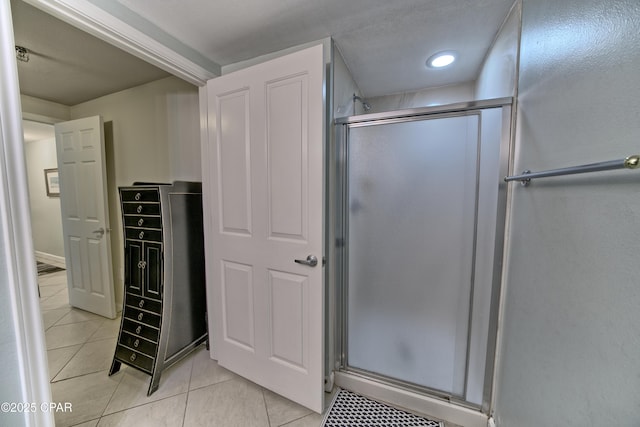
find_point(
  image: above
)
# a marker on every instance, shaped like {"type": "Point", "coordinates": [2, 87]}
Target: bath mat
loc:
{"type": "Point", "coordinates": [352, 410]}
{"type": "Point", "coordinates": [47, 268]}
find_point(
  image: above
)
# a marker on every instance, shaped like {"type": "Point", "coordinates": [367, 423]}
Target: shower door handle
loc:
{"type": "Point", "coordinates": [311, 261]}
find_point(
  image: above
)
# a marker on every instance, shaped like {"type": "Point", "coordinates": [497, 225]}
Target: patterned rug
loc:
{"type": "Point", "coordinates": [351, 410]}
{"type": "Point", "coordinates": [47, 268]}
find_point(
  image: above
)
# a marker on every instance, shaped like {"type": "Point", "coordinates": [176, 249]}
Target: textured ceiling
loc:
{"type": "Point", "coordinates": [385, 43]}
{"type": "Point", "coordinates": [69, 66]}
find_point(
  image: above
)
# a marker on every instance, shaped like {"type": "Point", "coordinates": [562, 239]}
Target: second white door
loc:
{"type": "Point", "coordinates": [85, 215]}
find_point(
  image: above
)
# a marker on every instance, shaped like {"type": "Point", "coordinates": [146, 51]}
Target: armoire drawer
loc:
{"type": "Point", "coordinates": [141, 316]}
{"type": "Point", "coordinates": [134, 358]}
{"type": "Point", "coordinates": [140, 329]}
{"type": "Point", "coordinates": [139, 344]}
{"type": "Point", "coordinates": [143, 234]}
{"type": "Point", "coordinates": [143, 221]}
{"type": "Point", "coordinates": [143, 303]}
{"type": "Point", "coordinates": [140, 195]}
{"type": "Point", "coordinates": [131, 208]}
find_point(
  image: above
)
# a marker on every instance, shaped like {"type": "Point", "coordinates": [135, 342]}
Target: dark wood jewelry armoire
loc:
{"type": "Point", "coordinates": [164, 313]}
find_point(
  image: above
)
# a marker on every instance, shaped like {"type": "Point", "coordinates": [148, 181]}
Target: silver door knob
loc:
{"type": "Point", "coordinates": [311, 261]}
{"type": "Point", "coordinates": [99, 232]}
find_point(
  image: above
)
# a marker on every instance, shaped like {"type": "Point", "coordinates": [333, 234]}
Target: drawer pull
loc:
{"type": "Point", "coordinates": [142, 264]}
{"type": "Point", "coordinates": [139, 209]}
{"type": "Point", "coordinates": [137, 196]}
{"type": "Point", "coordinates": [132, 357]}
{"type": "Point", "coordinates": [140, 316]}
{"type": "Point", "coordinates": [140, 222]}
{"type": "Point", "coordinates": [136, 343]}
{"type": "Point", "coordinates": [141, 235]}
{"type": "Point", "coordinates": [141, 303]}
{"type": "Point", "coordinates": [138, 329]}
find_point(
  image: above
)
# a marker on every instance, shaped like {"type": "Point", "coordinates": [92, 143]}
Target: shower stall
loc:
{"type": "Point", "coordinates": [419, 214]}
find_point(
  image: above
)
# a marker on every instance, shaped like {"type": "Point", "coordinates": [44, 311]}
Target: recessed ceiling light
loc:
{"type": "Point", "coordinates": [441, 59]}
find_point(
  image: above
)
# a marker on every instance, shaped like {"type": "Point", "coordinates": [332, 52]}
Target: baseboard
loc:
{"type": "Point", "coordinates": [414, 402]}
{"type": "Point", "coordinates": [50, 259]}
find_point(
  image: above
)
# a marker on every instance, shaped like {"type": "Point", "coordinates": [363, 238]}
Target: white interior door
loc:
{"type": "Point", "coordinates": [263, 167]}
{"type": "Point", "coordinates": [85, 218]}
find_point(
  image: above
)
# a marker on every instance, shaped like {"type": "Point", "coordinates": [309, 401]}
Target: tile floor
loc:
{"type": "Point", "coordinates": [194, 392]}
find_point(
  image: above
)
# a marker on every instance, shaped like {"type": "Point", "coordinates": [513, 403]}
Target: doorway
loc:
{"type": "Point", "coordinates": [421, 208]}
{"type": "Point", "coordinates": [46, 222]}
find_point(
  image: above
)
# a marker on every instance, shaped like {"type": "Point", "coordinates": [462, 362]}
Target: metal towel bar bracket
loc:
{"type": "Point", "coordinates": [631, 162]}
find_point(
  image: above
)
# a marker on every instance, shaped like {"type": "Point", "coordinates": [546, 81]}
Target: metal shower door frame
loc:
{"type": "Point", "coordinates": [340, 232]}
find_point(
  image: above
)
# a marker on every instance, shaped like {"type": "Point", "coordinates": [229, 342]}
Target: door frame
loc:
{"type": "Point", "coordinates": [24, 320]}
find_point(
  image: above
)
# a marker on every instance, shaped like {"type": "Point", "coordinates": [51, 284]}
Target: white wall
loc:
{"type": "Point", "coordinates": [498, 75]}
{"type": "Point", "coordinates": [423, 98]}
{"type": "Point", "coordinates": [40, 110]}
{"type": "Point", "coordinates": [344, 87]}
{"type": "Point", "coordinates": [571, 332]}
{"type": "Point", "coordinates": [156, 130]}
{"type": "Point", "coordinates": [46, 219]}
{"type": "Point", "coordinates": [152, 134]}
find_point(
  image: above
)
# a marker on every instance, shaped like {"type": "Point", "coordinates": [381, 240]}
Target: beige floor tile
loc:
{"type": "Point", "coordinates": [92, 357]}
{"type": "Point", "coordinates": [92, 423]}
{"type": "Point", "coordinates": [48, 291]}
{"type": "Point", "coordinates": [132, 390]}
{"type": "Point", "coordinates": [282, 410]}
{"type": "Point", "coordinates": [59, 300]}
{"type": "Point", "coordinates": [206, 371]}
{"type": "Point", "coordinates": [57, 278]}
{"type": "Point", "coordinates": [71, 334]}
{"type": "Point", "coordinates": [109, 329]}
{"type": "Point", "coordinates": [50, 317]}
{"type": "Point", "coordinates": [76, 316]}
{"type": "Point", "coordinates": [88, 395]}
{"type": "Point", "coordinates": [311, 420]}
{"type": "Point", "coordinates": [59, 357]}
{"type": "Point", "coordinates": [232, 403]}
{"type": "Point", "coordinates": [163, 413]}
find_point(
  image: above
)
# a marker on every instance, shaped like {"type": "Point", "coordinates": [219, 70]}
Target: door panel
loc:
{"type": "Point", "coordinates": [95, 255]}
{"type": "Point", "coordinates": [133, 256]}
{"type": "Point", "coordinates": [287, 158]}
{"type": "Point", "coordinates": [153, 270]}
{"type": "Point", "coordinates": [264, 192]}
{"type": "Point", "coordinates": [234, 167]}
{"type": "Point", "coordinates": [237, 291]}
{"type": "Point", "coordinates": [288, 297]}
{"type": "Point", "coordinates": [89, 181]}
{"type": "Point", "coordinates": [85, 220]}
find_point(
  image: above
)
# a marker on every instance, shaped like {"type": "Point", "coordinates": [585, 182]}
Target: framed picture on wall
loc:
{"type": "Point", "coordinates": [53, 185]}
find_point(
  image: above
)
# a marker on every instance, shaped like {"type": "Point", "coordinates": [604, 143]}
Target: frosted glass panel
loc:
{"type": "Point", "coordinates": [411, 222]}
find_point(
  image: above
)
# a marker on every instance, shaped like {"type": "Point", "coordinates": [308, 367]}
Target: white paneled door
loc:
{"type": "Point", "coordinates": [85, 219]}
{"type": "Point", "coordinates": [263, 172]}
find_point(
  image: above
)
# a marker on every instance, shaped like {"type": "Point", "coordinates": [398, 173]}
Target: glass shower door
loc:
{"type": "Point", "coordinates": [411, 221]}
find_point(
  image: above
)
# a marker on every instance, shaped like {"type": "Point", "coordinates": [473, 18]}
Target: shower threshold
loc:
{"type": "Point", "coordinates": [418, 403]}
